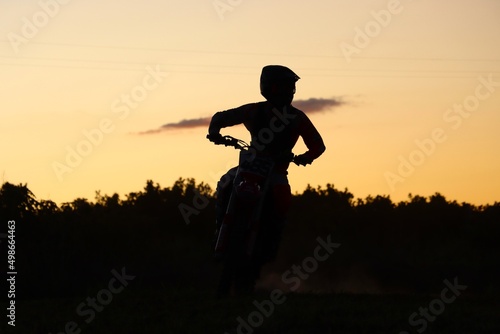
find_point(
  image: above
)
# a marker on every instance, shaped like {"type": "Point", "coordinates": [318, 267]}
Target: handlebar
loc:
{"type": "Point", "coordinates": [229, 141]}
{"type": "Point", "coordinates": [242, 145]}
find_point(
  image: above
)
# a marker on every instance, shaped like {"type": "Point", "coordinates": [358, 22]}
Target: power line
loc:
{"type": "Point", "coordinates": [233, 66]}
{"type": "Point", "coordinates": [229, 68]}
{"type": "Point", "coordinates": [398, 73]}
{"type": "Point", "coordinates": [117, 62]}
{"type": "Point", "coordinates": [448, 59]}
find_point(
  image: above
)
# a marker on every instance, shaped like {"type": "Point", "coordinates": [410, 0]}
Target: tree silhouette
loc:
{"type": "Point", "coordinates": [411, 245]}
{"type": "Point", "coordinates": [17, 201]}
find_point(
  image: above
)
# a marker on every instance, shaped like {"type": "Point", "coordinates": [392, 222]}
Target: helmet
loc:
{"type": "Point", "coordinates": [277, 80]}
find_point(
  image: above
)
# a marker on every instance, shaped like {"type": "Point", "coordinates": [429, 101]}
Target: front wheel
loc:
{"type": "Point", "coordinates": [239, 270]}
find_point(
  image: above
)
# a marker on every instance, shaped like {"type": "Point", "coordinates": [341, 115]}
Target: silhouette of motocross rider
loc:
{"type": "Point", "coordinates": [275, 126]}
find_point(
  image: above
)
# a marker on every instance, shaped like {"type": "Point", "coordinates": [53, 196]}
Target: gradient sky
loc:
{"type": "Point", "coordinates": [418, 86]}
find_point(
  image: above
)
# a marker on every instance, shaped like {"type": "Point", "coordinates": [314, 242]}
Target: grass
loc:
{"type": "Point", "coordinates": [168, 310]}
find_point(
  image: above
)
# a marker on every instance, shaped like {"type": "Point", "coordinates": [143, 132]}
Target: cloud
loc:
{"type": "Point", "coordinates": [309, 106]}
{"type": "Point", "coordinates": [314, 105]}
{"type": "Point", "coordinates": [184, 124]}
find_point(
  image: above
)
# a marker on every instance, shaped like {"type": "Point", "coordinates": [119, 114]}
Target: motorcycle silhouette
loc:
{"type": "Point", "coordinates": [237, 235]}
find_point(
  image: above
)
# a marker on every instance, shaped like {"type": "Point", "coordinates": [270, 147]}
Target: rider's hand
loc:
{"type": "Point", "coordinates": [216, 138]}
{"type": "Point", "coordinates": [302, 159]}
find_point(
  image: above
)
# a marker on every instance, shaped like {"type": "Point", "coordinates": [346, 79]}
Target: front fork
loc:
{"type": "Point", "coordinates": [246, 202]}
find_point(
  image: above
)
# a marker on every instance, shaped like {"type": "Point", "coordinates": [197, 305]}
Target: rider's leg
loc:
{"type": "Point", "coordinates": [272, 224]}
{"type": "Point", "coordinates": [282, 197]}
{"type": "Point", "coordinates": [275, 220]}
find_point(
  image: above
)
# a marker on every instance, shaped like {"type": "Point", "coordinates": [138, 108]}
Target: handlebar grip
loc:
{"type": "Point", "coordinates": [223, 140]}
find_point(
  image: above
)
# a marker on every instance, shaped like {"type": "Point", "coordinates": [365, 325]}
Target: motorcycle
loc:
{"type": "Point", "coordinates": [237, 235]}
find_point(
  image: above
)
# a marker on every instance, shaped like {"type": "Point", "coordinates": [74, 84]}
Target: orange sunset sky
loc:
{"type": "Point", "coordinates": [104, 95]}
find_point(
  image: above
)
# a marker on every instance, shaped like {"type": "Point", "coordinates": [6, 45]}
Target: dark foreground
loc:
{"type": "Point", "coordinates": [166, 311]}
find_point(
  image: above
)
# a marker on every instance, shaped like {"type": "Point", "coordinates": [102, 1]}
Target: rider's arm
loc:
{"type": "Point", "coordinates": [312, 139]}
{"type": "Point", "coordinates": [229, 117]}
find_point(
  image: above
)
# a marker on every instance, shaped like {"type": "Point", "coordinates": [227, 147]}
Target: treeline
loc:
{"type": "Point", "coordinates": [163, 236]}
